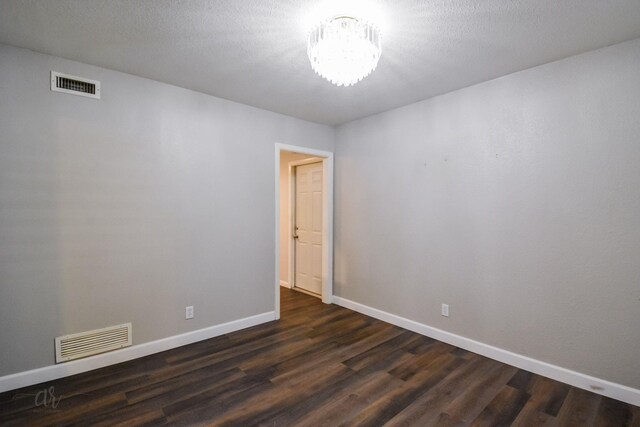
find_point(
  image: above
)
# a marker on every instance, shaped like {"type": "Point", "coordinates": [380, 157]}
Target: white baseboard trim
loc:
{"type": "Point", "coordinates": [52, 372]}
{"type": "Point", "coordinates": [285, 284]}
{"type": "Point", "coordinates": [576, 379]}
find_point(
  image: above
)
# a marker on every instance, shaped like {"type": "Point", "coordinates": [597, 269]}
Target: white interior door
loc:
{"type": "Point", "coordinates": [308, 228]}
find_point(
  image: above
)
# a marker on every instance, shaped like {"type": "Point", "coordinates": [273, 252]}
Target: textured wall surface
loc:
{"type": "Point", "coordinates": [130, 208]}
{"type": "Point", "coordinates": [516, 201]}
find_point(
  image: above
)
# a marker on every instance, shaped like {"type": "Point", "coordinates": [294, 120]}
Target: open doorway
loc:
{"type": "Point", "coordinates": [304, 222]}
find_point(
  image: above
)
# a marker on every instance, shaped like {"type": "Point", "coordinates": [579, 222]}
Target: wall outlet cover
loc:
{"type": "Point", "coordinates": [445, 310]}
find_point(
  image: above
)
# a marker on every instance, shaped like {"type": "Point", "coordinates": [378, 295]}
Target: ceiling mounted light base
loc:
{"type": "Point", "coordinates": [344, 50]}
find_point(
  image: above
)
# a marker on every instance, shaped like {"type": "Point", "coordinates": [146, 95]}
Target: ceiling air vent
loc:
{"type": "Point", "coordinates": [75, 346]}
{"type": "Point", "coordinates": [75, 85]}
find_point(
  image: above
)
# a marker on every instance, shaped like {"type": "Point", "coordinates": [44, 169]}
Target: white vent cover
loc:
{"type": "Point", "coordinates": [75, 85]}
{"type": "Point", "coordinates": [75, 346]}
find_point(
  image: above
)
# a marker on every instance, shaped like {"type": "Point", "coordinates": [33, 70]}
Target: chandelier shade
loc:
{"type": "Point", "coordinates": [344, 50]}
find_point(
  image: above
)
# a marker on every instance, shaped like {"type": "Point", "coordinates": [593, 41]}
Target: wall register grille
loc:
{"type": "Point", "coordinates": [83, 344]}
{"type": "Point", "coordinates": [73, 85]}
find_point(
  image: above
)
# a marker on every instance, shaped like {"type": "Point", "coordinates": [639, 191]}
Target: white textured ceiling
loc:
{"type": "Point", "coordinates": [254, 51]}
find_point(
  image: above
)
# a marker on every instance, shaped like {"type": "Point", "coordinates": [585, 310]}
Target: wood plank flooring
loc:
{"type": "Point", "coordinates": [321, 365]}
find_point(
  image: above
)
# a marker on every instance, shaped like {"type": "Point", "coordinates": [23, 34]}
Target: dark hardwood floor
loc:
{"type": "Point", "coordinates": [321, 365]}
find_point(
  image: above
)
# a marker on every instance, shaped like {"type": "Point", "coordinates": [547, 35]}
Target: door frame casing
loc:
{"type": "Point", "coordinates": [327, 219]}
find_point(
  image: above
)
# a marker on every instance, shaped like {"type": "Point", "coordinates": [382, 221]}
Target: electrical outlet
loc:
{"type": "Point", "coordinates": [445, 310]}
{"type": "Point", "coordinates": [188, 312]}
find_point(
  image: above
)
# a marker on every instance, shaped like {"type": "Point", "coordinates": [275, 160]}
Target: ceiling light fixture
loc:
{"type": "Point", "coordinates": [344, 49]}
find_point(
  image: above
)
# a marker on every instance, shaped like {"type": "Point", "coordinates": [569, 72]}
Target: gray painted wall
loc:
{"type": "Point", "coordinates": [131, 207]}
{"type": "Point", "coordinates": [516, 201]}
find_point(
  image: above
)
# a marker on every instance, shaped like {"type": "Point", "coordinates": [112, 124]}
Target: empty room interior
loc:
{"type": "Point", "coordinates": [320, 213]}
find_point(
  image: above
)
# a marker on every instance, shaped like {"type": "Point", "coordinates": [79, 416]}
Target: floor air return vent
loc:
{"type": "Point", "coordinates": [76, 346]}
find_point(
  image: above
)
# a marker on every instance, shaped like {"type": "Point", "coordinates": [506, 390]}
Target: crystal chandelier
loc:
{"type": "Point", "coordinates": [344, 50]}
